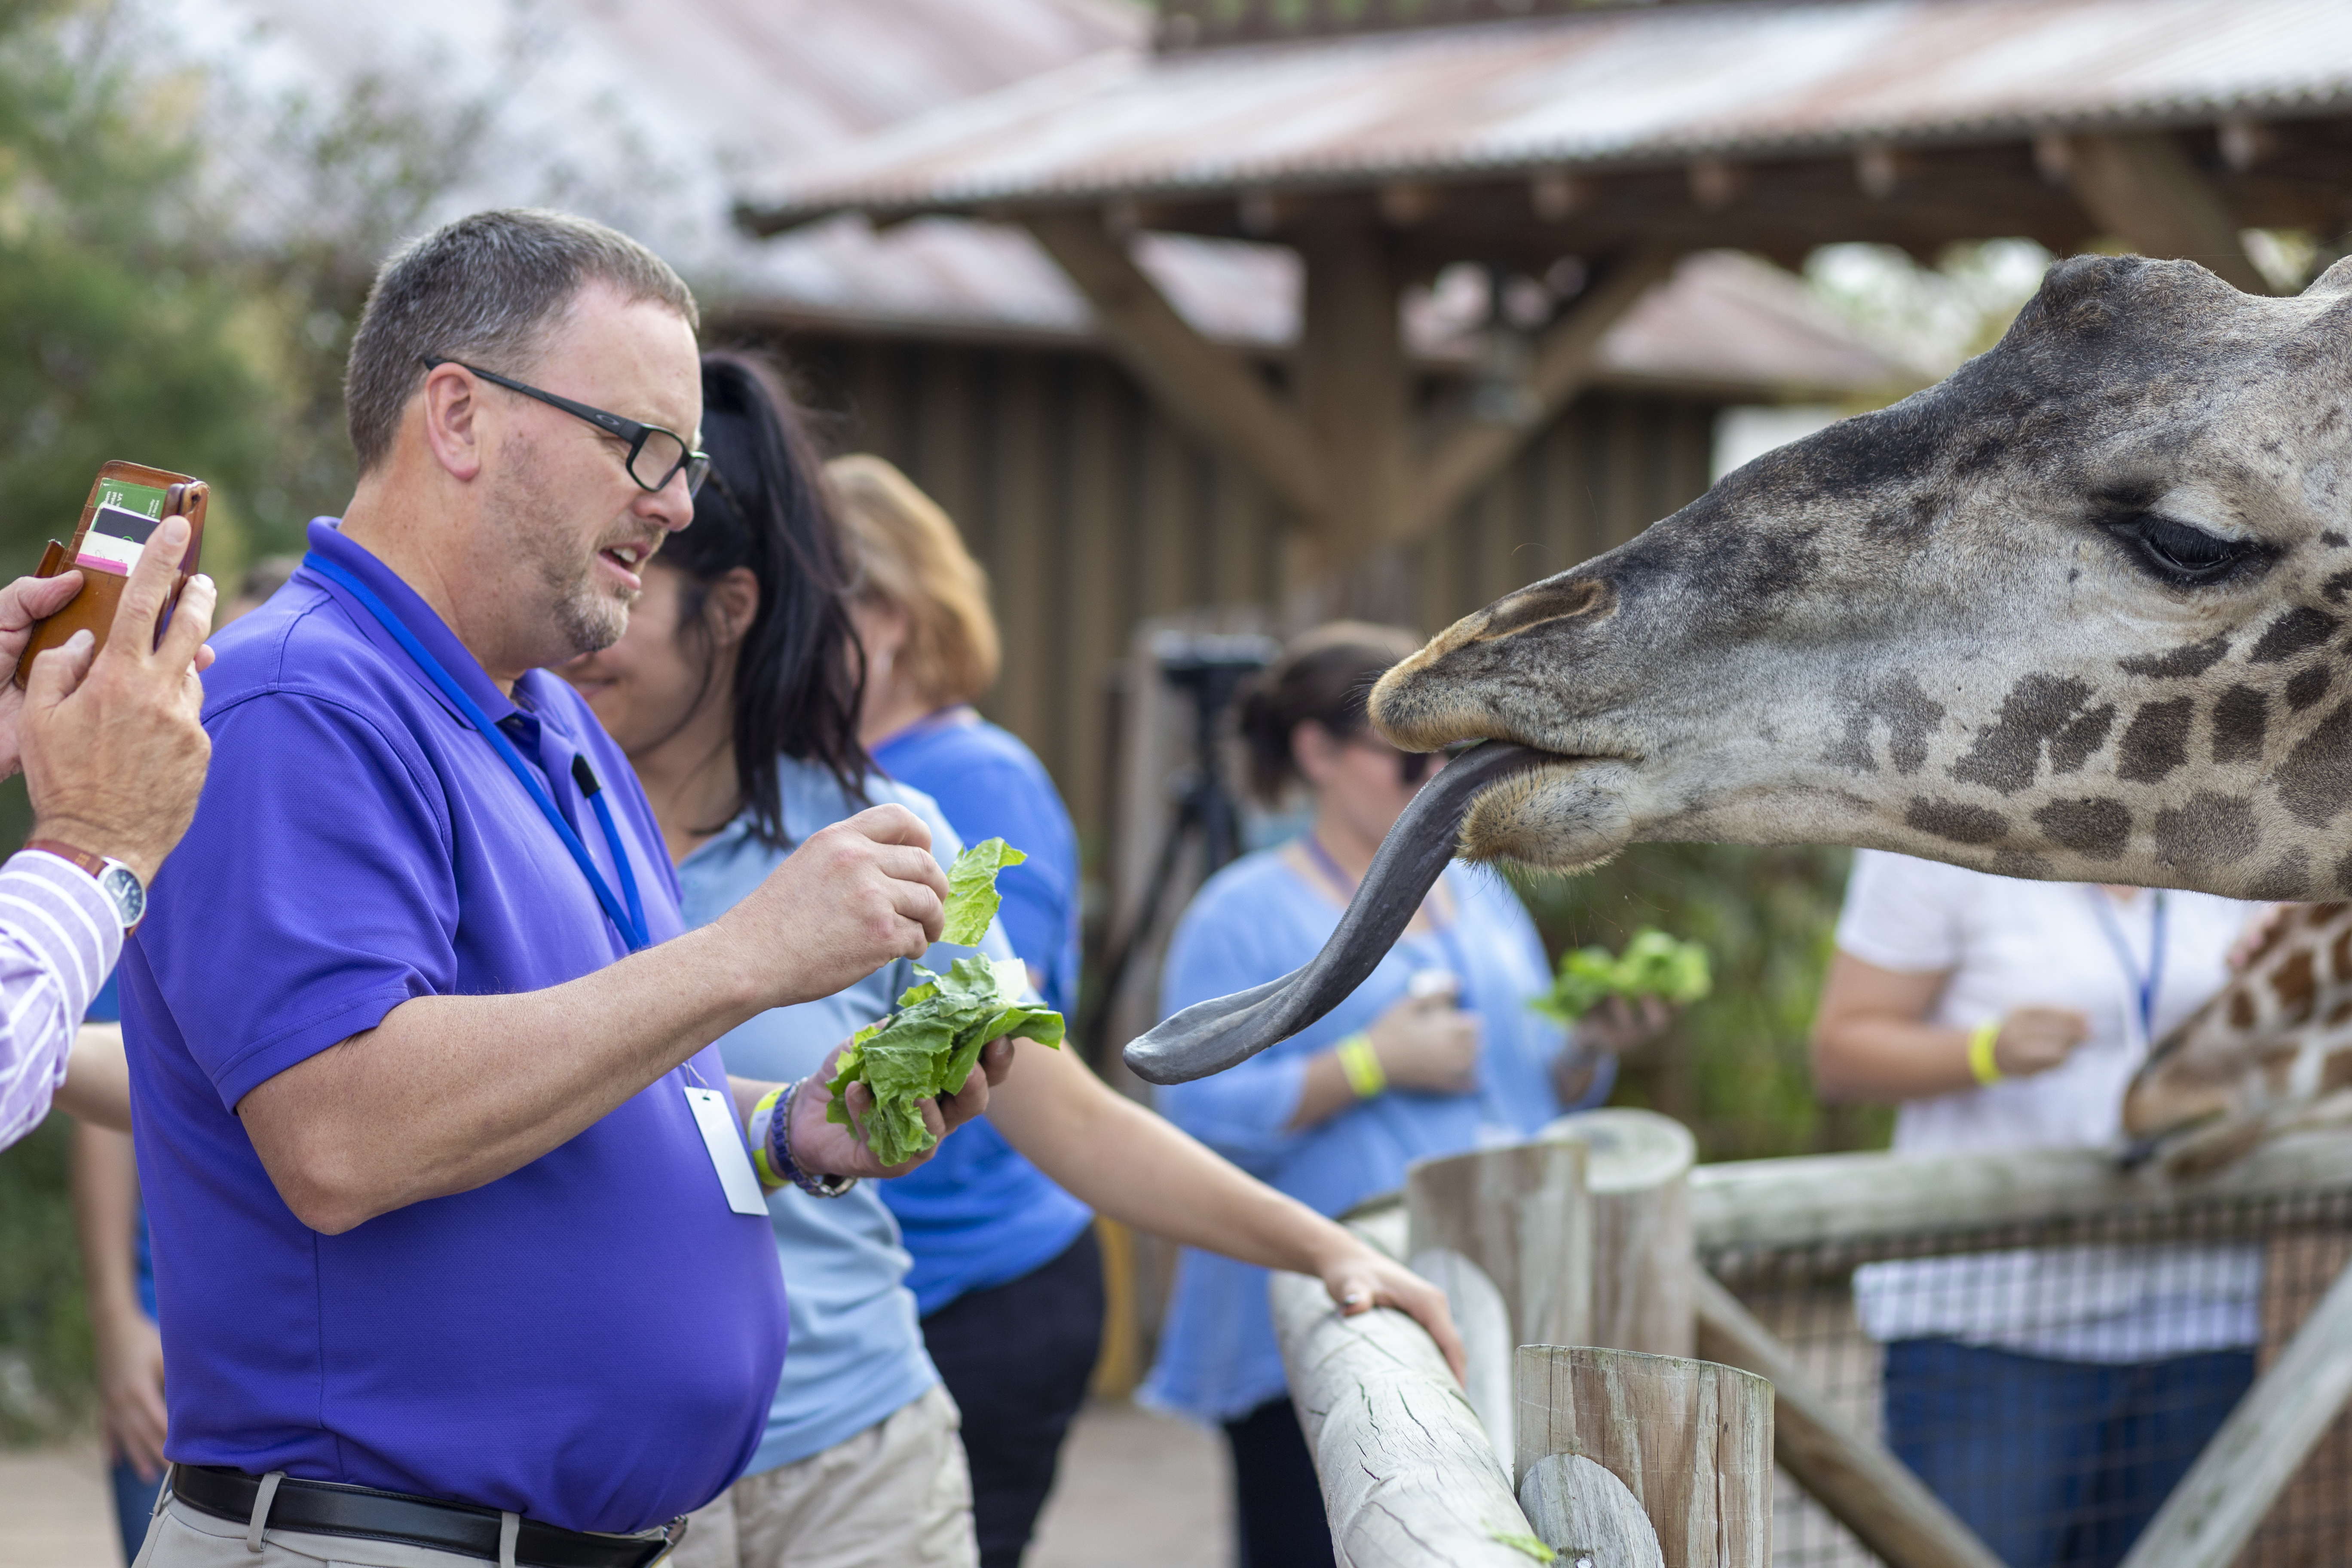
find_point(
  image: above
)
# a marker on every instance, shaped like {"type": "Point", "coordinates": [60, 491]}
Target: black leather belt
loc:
{"type": "Point", "coordinates": [327, 1508]}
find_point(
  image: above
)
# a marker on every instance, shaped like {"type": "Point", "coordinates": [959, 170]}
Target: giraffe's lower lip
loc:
{"type": "Point", "coordinates": [1210, 1037]}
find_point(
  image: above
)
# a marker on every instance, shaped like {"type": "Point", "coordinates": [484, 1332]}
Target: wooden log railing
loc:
{"type": "Point", "coordinates": [1416, 1471]}
{"type": "Point", "coordinates": [1410, 1476]}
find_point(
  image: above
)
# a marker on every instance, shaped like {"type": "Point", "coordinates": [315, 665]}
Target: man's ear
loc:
{"type": "Point", "coordinates": [734, 601]}
{"type": "Point", "coordinates": [453, 429]}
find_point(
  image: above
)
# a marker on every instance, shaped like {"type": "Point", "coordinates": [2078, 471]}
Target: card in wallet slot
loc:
{"type": "Point", "coordinates": [126, 504]}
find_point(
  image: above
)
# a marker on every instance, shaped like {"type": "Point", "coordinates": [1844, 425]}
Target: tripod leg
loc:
{"type": "Point", "coordinates": [1122, 951]}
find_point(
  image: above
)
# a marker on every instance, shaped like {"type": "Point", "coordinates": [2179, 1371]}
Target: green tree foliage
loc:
{"type": "Point", "coordinates": [117, 336]}
{"type": "Point", "coordinates": [1735, 1067]}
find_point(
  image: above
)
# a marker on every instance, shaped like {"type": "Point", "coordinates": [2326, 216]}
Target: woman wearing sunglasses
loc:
{"type": "Point", "coordinates": [1434, 1054]}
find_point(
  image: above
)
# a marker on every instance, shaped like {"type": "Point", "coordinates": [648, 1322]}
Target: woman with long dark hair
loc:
{"type": "Point", "coordinates": [735, 693]}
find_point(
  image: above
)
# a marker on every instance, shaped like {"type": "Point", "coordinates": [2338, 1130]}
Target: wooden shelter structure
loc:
{"type": "Point", "coordinates": [1582, 148]}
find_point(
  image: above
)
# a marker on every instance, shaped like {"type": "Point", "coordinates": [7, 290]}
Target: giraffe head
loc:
{"type": "Point", "coordinates": [2271, 1048]}
{"type": "Point", "coordinates": [2077, 612]}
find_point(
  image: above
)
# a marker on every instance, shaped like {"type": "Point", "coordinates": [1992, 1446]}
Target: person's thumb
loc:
{"type": "Point", "coordinates": [58, 673]}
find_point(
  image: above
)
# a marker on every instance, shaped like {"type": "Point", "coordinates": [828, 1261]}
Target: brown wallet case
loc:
{"type": "Point", "coordinates": [132, 495]}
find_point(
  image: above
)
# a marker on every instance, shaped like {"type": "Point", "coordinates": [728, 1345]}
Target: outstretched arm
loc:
{"type": "Point", "coordinates": [1143, 1171]}
{"type": "Point", "coordinates": [448, 1093]}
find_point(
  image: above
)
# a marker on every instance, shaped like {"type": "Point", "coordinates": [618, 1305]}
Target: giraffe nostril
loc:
{"type": "Point", "coordinates": [1540, 601]}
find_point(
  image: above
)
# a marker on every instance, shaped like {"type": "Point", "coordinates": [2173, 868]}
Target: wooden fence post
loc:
{"type": "Point", "coordinates": [1637, 1170]}
{"type": "Point", "coordinates": [1521, 1215]}
{"type": "Point", "coordinates": [1691, 1440]}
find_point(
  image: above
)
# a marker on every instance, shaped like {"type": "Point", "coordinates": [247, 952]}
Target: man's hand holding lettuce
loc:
{"type": "Point", "coordinates": [930, 1045]}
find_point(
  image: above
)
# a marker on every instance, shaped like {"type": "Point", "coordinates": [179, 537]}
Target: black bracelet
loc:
{"type": "Point", "coordinates": [780, 1153]}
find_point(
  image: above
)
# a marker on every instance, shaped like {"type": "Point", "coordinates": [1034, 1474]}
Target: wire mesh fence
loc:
{"type": "Point", "coordinates": [2052, 1379]}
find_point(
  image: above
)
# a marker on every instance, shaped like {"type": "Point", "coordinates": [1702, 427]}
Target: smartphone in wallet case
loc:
{"type": "Point", "coordinates": [125, 504]}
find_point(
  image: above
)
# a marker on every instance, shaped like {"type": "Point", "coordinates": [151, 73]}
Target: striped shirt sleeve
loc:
{"type": "Point", "coordinates": [58, 941]}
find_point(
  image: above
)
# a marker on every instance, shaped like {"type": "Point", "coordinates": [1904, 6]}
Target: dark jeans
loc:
{"type": "Point", "coordinates": [135, 1502]}
{"type": "Point", "coordinates": [2054, 1462]}
{"type": "Point", "coordinates": [1278, 1501]}
{"type": "Point", "coordinates": [1017, 1357]}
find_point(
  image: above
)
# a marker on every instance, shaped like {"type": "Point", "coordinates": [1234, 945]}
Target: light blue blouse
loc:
{"type": "Point", "coordinates": [857, 1351]}
{"type": "Point", "coordinates": [1259, 918]}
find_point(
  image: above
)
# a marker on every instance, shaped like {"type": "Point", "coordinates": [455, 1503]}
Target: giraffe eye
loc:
{"type": "Point", "coordinates": [2188, 556]}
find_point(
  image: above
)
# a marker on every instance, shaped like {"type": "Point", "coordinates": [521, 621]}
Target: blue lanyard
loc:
{"type": "Point", "coordinates": [1443, 933]}
{"type": "Point", "coordinates": [2144, 985]}
{"type": "Point", "coordinates": [631, 921]}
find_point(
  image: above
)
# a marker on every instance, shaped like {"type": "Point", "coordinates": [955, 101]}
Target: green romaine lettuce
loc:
{"type": "Point", "coordinates": [1652, 965]}
{"type": "Point", "coordinates": [972, 897]}
{"type": "Point", "coordinates": [930, 1047]}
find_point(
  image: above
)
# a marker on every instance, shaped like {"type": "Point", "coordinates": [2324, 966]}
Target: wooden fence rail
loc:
{"type": "Point", "coordinates": [1601, 1239]}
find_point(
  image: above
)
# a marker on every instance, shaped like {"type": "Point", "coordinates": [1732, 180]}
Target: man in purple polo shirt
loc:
{"type": "Point", "coordinates": [445, 1206]}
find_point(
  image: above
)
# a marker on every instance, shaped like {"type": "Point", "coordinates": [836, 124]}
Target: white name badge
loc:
{"type": "Point", "coordinates": [714, 1116]}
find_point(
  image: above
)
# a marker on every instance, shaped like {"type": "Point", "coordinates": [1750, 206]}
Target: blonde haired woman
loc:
{"type": "Point", "coordinates": [1006, 1275]}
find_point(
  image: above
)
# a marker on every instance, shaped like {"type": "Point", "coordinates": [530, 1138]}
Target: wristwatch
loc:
{"type": "Point", "coordinates": [119, 882]}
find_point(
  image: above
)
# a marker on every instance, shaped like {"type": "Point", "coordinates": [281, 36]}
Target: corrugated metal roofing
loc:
{"type": "Point", "coordinates": [702, 88]}
{"type": "Point", "coordinates": [1607, 90]}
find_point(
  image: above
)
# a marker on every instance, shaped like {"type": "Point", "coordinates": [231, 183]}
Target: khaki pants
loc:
{"type": "Point", "coordinates": [897, 1495]}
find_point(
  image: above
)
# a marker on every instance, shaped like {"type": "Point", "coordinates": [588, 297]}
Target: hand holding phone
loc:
{"type": "Point", "coordinates": [114, 744]}
{"type": "Point", "coordinates": [127, 502]}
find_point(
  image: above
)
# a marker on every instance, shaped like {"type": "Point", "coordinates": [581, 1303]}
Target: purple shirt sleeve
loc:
{"type": "Point", "coordinates": [59, 940]}
{"type": "Point", "coordinates": [354, 915]}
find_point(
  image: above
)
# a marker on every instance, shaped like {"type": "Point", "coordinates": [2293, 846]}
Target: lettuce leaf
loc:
{"type": "Point", "coordinates": [930, 1045]}
{"type": "Point", "coordinates": [1652, 965]}
{"type": "Point", "coordinates": [972, 897]}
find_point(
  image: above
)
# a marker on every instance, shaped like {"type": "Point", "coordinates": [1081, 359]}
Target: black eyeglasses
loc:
{"type": "Point", "coordinates": [652, 449]}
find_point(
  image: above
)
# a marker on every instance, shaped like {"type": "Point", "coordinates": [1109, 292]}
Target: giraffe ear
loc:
{"type": "Point", "coordinates": [2337, 280]}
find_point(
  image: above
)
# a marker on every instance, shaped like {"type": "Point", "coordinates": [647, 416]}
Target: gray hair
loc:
{"type": "Point", "coordinates": [487, 289]}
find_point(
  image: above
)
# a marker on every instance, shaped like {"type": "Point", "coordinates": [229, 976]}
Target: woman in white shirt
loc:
{"type": "Point", "coordinates": [2051, 1396]}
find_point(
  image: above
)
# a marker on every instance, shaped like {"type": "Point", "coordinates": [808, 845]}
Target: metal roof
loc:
{"type": "Point", "coordinates": [1618, 90]}
{"type": "Point", "coordinates": [679, 94]}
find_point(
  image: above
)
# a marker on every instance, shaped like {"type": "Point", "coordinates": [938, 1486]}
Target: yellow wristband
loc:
{"type": "Point", "coordinates": [1363, 1065]}
{"type": "Point", "coordinates": [756, 1127]}
{"type": "Point", "coordinates": [1982, 1061]}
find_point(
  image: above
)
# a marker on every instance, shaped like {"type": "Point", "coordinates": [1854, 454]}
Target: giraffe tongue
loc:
{"type": "Point", "coordinates": [1210, 1037]}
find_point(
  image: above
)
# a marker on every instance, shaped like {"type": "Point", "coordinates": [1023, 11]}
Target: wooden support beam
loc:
{"type": "Point", "coordinates": [1456, 461]}
{"type": "Point", "coordinates": [2144, 188]}
{"type": "Point", "coordinates": [1408, 1475]}
{"type": "Point", "coordinates": [1356, 389]}
{"type": "Point", "coordinates": [1869, 1490]}
{"type": "Point", "coordinates": [1692, 1440]}
{"type": "Point", "coordinates": [1198, 382]}
{"type": "Point", "coordinates": [2217, 1505]}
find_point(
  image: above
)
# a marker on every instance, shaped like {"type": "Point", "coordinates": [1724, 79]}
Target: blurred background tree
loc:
{"type": "Point", "coordinates": [1734, 1068]}
{"type": "Point", "coordinates": [120, 336]}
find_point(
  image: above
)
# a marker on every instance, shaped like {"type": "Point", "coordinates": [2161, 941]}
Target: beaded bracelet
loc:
{"type": "Point", "coordinates": [776, 1153]}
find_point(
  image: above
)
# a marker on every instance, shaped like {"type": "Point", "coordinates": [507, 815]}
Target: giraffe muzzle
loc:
{"type": "Point", "coordinates": [1210, 1037]}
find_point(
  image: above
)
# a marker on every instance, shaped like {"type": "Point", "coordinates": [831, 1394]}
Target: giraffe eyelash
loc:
{"type": "Point", "coordinates": [2186, 556]}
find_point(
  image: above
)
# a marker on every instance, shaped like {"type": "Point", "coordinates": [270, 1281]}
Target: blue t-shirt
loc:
{"type": "Point", "coordinates": [979, 1215]}
{"type": "Point", "coordinates": [106, 1007]}
{"type": "Point", "coordinates": [1256, 921]}
{"type": "Point", "coordinates": [858, 1351]}
{"type": "Point", "coordinates": [589, 1341]}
